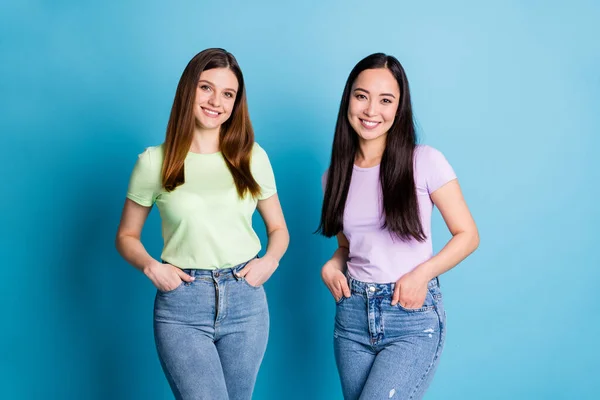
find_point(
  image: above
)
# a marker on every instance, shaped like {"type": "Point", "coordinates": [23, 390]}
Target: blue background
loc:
{"type": "Point", "coordinates": [509, 91]}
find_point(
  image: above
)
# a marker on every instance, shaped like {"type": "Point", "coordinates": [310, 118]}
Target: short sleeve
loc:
{"type": "Point", "coordinates": [434, 167]}
{"type": "Point", "coordinates": [263, 172]}
{"type": "Point", "coordinates": [145, 181]}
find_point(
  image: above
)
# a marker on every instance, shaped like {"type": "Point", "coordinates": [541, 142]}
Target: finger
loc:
{"type": "Point", "coordinates": [251, 282]}
{"type": "Point", "coordinates": [412, 306]}
{"type": "Point", "coordinates": [396, 295]}
{"type": "Point", "coordinates": [418, 304]}
{"type": "Point", "coordinates": [242, 273]}
{"type": "Point", "coordinates": [345, 288]}
{"type": "Point", "coordinates": [168, 286]}
{"type": "Point", "coordinates": [184, 277]}
{"type": "Point", "coordinates": [336, 296]}
{"type": "Point", "coordinates": [255, 281]}
{"type": "Point", "coordinates": [334, 291]}
{"type": "Point", "coordinates": [253, 275]}
{"type": "Point", "coordinates": [409, 303]}
{"type": "Point", "coordinates": [248, 267]}
{"type": "Point", "coordinates": [252, 279]}
{"type": "Point", "coordinates": [339, 290]}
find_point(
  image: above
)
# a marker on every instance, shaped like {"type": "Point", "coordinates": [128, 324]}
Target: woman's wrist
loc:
{"type": "Point", "coordinates": [271, 259]}
{"type": "Point", "coordinates": [423, 272]}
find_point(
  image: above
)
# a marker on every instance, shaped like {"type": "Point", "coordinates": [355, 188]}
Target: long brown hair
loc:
{"type": "Point", "coordinates": [236, 136]}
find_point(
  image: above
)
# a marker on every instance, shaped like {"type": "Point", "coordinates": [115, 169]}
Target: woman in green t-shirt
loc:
{"type": "Point", "coordinates": [211, 318]}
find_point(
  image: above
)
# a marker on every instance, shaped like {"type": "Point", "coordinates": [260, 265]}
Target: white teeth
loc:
{"type": "Point", "coordinates": [369, 123]}
{"type": "Point", "coordinates": [211, 112]}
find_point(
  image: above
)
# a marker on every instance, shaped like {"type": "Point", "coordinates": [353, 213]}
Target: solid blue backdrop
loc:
{"type": "Point", "coordinates": [508, 91]}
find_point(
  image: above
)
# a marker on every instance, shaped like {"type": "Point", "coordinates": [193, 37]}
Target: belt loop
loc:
{"type": "Point", "coordinates": [234, 271]}
{"type": "Point", "coordinates": [349, 280]}
{"type": "Point", "coordinates": [437, 279]}
{"type": "Point", "coordinates": [235, 274]}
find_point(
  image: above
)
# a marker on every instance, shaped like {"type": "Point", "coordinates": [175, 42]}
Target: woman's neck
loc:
{"type": "Point", "coordinates": [205, 141]}
{"type": "Point", "coordinates": [370, 152]}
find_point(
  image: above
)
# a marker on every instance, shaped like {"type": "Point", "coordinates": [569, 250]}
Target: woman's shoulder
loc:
{"type": "Point", "coordinates": [432, 170]}
{"type": "Point", "coordinates": [258, 150]}
{"type": "Point", "coordinates": [427, 156]}
{"type": "Point", "coordinates": [152, 156]}
{"type": "Point", "coordinates": [424, 151]}
{"type": "Point", "coordinates": [259, 155]}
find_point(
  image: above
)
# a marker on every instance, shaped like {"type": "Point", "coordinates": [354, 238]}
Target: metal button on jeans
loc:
{"type": "Point", "coordinates": [372, 288]}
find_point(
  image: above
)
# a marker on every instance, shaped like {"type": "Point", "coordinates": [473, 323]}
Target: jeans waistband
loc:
{"type": "Point", "coordinates": [380, 289]}
{"type": "Point", "coordinates": [216, 273]}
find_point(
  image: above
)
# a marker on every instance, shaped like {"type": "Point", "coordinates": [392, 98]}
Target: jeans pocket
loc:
{"type": "Point", "coordinates": [428, 305]}
{"type": "Point", "coordinates": [245, 282]}
{"type": "Point", "coordinates": [249, 285]}
{"type": "Point", "coordinates": [341, 300]}
{"type": "Point", "coordinates": [172, 290]}
{"type": "Point", "coordinates": [243, 278]}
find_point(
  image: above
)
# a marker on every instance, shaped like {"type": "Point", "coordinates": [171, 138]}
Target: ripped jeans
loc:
{"type": "Point", "coordinates": [384, 351]}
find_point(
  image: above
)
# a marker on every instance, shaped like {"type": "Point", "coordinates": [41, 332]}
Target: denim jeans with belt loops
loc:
{"type": "Point", "coordinates": [211, 335]}
{"type": "Point", "coordinates": [384, 351]}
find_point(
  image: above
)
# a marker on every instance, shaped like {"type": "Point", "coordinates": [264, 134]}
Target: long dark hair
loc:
{"type": "Point", "coordinates": [236, 136]}
{"type": "Point", "coordinates": [396, 176]}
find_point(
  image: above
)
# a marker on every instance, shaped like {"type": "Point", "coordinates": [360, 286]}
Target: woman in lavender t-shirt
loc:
{"type": "Point", "coordinates": [380, 189]}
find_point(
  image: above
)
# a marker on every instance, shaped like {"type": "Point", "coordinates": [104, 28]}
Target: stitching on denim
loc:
{"type": "Point", "coordinates": [419, 310]}
{"type": "Point", "coordinates": [382, 324]}
{"type": "Point", "coordinates": [416, 310]}
{"type": "Point", "coordinates": [225, 291]}
{"type": "Point", "coordinates": [173, 290]}
{"type": "Point", "coordinates": [356, 292]}
{"type": "Point", "coordinates": [435, 356]}
{"type": "Point", "coordinates": [243, 279]}
{"type": "Point", "coordinates": [436, 296]}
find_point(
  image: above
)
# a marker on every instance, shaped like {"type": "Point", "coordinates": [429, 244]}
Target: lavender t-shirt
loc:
{"type": "Point", "coordinates": [375, 256]}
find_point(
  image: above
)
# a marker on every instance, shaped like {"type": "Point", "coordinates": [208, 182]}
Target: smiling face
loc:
{"type": "Point", "coordinates": [373, 104]}
{"type": "Point", "coordinates": [215, 97]}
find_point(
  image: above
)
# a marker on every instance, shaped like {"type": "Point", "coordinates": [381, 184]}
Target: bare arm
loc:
{"type": "Point", "coordinates": [164, 276]}
{"type": "Point", "coordinates": [260, 270]}
{"type": "Point", "coordinates": [465, 237]}
{"type": "Point", "coordinates": [128, 241]}
{"type": "Point", "coordinates": [277, 232]}
{"type": "Point", "coordinates": [340, 256]}
{"type": "Point", "coordinates": [333, 272]}
{"type": "Point", "coordinates": [411, 289]}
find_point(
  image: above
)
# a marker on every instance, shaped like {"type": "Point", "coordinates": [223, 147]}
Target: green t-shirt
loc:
{"type": "Point", "coordinates": [205, 225]}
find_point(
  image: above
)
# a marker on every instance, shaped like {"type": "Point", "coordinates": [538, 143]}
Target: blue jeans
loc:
{"type": "Point", "coordinates": [211, 335]}
{"type": "Point", "coordinates": [384, 351]}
